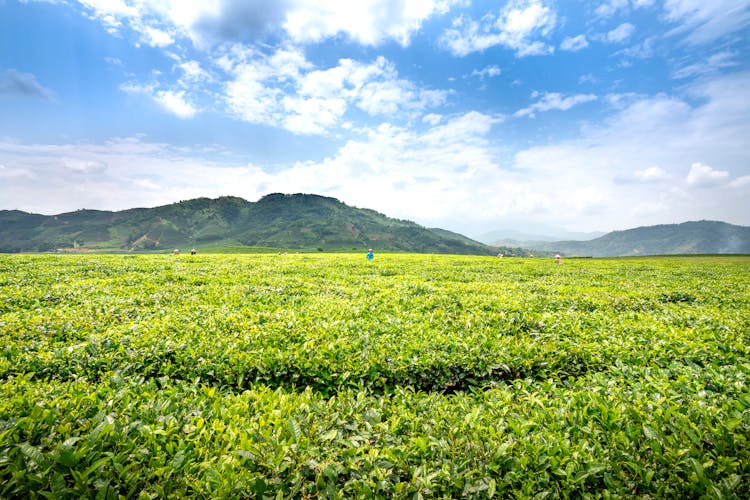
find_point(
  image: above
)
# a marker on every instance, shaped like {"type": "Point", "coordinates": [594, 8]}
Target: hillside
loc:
{"type": "Point", "coordinates": [279, 221]}
{"type": "Point", "coordinates": [697, 237]}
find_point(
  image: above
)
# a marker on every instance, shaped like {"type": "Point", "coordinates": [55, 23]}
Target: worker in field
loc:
{"type": "Point", "coordinates": [370, 254]}
{"type": "Point", "coordinates": [558, 259]}
{"type": "Point", "coordinates": [193, 252]}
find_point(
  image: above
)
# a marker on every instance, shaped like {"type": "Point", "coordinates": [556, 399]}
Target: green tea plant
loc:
{"type": "Point", "coordinates": [412, 375]}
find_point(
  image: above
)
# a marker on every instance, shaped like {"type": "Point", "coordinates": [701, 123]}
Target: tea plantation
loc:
{"type": "Point", "coordinates": [411, 376]}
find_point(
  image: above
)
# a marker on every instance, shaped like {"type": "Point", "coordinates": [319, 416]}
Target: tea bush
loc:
{"type": "Point", "coordinates": [411, 375]}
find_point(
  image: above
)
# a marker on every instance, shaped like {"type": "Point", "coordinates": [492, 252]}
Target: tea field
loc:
{"type": "Point", "coordinates": [411, 376]}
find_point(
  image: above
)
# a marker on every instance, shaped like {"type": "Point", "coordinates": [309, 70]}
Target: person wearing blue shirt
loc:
{"type": "Point", "coordinates": [370, 255]}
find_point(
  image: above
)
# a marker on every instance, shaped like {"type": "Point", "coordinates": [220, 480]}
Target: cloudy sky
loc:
{"type": "Point", "coordinates": [468, 115]}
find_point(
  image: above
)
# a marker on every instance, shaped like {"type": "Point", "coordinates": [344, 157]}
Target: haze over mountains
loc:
{"type": "Point", "coordinates": [696, 237]}
{"type": "Point", "coordinates": [537, 233]}
{"type": "Point", "coordinates": [310, 222]}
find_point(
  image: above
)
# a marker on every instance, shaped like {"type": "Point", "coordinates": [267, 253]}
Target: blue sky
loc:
{"type": "Point", "coordinates": [472, 116]}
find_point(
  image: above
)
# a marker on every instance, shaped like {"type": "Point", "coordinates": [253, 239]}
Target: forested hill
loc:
{"type": "Point", "coordinates": [278, 221]}
{"type": "Point", "coordinates": [697, 237]}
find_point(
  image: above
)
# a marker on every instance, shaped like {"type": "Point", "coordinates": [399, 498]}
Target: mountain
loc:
{"type": "Point", "coordinates": [276, 221]}
{"type": "Point", "coordinates": [697, 237]}
{"type": "Point", "coordinates": [542, 233]}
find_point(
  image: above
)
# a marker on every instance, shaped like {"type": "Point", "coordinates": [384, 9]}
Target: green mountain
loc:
{"type": "Point", "coordinates": [698, 237]}
{"type": "Point", "coordinates": [276, 221]}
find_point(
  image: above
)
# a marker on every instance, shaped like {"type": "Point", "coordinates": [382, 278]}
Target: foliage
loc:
{"type": "Point", "coordinates": [411, 375]}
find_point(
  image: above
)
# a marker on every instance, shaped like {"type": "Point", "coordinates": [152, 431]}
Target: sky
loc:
{"type": "Point", "coordinates": [473, 116]}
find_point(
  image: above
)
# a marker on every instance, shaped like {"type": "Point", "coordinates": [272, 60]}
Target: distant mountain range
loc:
{"type": "Point", "coordinates": [277, 221]}
{"type": "Point", "coordinates": [543, 233]}
{"type": "Point", "coordinates": [697, 237]}
{"type": "Point", "coordinates": [308, 222]}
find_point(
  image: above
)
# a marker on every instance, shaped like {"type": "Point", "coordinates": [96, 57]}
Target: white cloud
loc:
{"type": "Point", "coordinates": [367, 21]}
{"type": "Point", "coordinates": [490, 71]}
{"type": "Point", "coordinates": [282, 90]}
{"type": "Point", "coordinates": [136, 88]}
{"type": "Point", "coordinates": [465, 36]}
{"type": "Point", "coordinates": [192, 71]}
{"type": "Point", "coordinates": [740, 182]}
{"type": "Point", "coordinates": [397, 95]}
{"type": "Point", "coordinates": [311, 115]}
{"type": "Point", "coordinates": [651, 174]}
{"type": "Point", "coordinates": [380, 98]}
{"type": "Point", "coordinates": [611, 7]}
{"type": "Point", "coordinates": [714, 63]}
{"type": "Point", "coordinates": [515, 27]}
{"type": "Point", "coordinates": [702, 22]}
{"type": "Point", "coordinates": [83, 166]}
{"type": "Point", "coordinates": [175, 102]}
{"type": "Point", "coordinates": [146, 184]}
{"type": "Point", "coordinates": [620, 34]}
{"type": "Point", "coordinates": [574, 44]}
{"type": "Point", "coordinates": [107, 8]}
{"type": "Point", "coordinates": [125, 8]}
{"type": "Point", "coordinates": [647, 175]}
{"type": "Point", "coordinates": [15, 173]}
{"type": "Point", "coordinates": [429, 175]}
{"type": "Point", "coordinates": [554, 101]}
{"type": "Point", "coordinates": [252, 101]}
{"type": "Point", "coordinates": [113, 13]}
{"type": "Point", "coordinates": [432, 118]}
{"type": "Point", "coordinates": [701, 175]}
{"type": "Point", "coordinates": [156, 37]}
{"type": "Point", "coordinates": [642, 50]}
{"type": "Point", "coordinates": [587, 78]}
{"type": "Point", "coordinates": [520, 19]}
{"type": "Point", "coordinates": [256, 90]}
